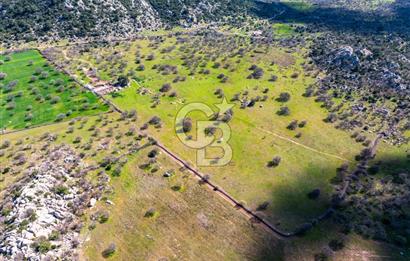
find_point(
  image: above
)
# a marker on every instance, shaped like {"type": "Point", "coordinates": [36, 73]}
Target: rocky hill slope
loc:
{"type": "Point", "coordinates": [28, 19]}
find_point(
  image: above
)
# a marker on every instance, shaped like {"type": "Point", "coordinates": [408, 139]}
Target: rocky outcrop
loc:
{"type": "Point", "coordinates": [44, 19]}
{"type": "Point", "coordinates": [345, 58]}
{"type": "Point", "coordinates": [40, 212]}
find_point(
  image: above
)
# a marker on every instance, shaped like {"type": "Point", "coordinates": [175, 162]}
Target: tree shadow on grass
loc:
{"type": "Point", "coordinates": [340, 19]}
{"type": "Point", "coordinates": [357, 227]}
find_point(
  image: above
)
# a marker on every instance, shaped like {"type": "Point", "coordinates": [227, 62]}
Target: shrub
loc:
{"type": "Point", "coordinates": [43, 75]}
{"type": "Point", "coordinates": [141, 67]}
{"type": "Point", "coordinates": [283, 111]}
{"type": "Point", "coordinates": [273, 78]}
{"type": "Point", "coordinates": [33, 78]}
{"type": "Point", "coordinates": [10, 106]}
{"type": "Point", "coordinates": [117, 171]}
{"type": "Point", "coordinates": [122, 81]}
{"type": "Point", "coordinates": [274, 162]}
{"type": "Point", "coordinates": [77, 140]}
{"type": "Point", "coordinates": [302, 124]}
{"type": "Point", "coordinates": [153, 153]}
{"type": "Point", "coordinates": [60, 117]}
{"type": "Point", "coordinates": [283, 97]}
{"type": "Point", "coordinates": [5, 144]}
{"type": "Point", "coordinates": [165, 88]}
{"type": "Point", "coordinates": [292, 125]}
{"type": "Point", "coordinates": [314, 194]}
{"type": "Point", "coordinates": [102, 216]}
{"type": "Point", "coordinates": [155, 120]}
{"type": "Point", "coordinates": [308, 92]}
{"type": "Point", "coordinates": [209, 131]}
{"type": "Point", "coordinates": [227, 116]}
{"type": "Point", "coordinates": [54, 235]}
{"type": "Point", "coordinates": [331, 118]}
{"type": "Point", "coordinates": [150, 57]}
{"type": "Point", "coordinates": [109, 251]}
{"type": "Point", "coordinates": [294, 75]}
{"type": "Point", "coordinates": [42, 245]}
{"type": "Point", "coordinates": [150, 213]}
{"type": "Point", "coordinates": [3, 75]}
{"type": "Point", "coordinates": [187, 125]}
{"type": "Point", "coordinates": [256, 74]}
{"type": "Point", "coordinates": [61, 190]}
{"type": "Point", "coordinates": [28, 117]}
{"type": "Point", "coordinates": [55, 99]}
{"type": "Point", "coordinates": [263, 206]}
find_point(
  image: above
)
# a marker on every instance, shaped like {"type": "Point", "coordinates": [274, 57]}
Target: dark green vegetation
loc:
{"type": "Point", "coordinates": [29, 20]}
{"type": "Point", "coordinates": [32, 92]}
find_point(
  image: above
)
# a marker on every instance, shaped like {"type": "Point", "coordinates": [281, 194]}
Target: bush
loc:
{"type": "Point", "coordinates": [284, 97]}
{"type": "Point", "coordinates": [331, 118]}
{"type": "Point", "coordinates": [122, 81]}
{"type": "Point", "coordinates": [141, 67]}
{"type": "Point", "coordinates": [187, 125]}
{"type": "Point", "coordinates": [274, 162]}
{"type": "Point", "coordinates": [153, 153]}
{"type": "Point", "coordinates": [314, 194]}
{"type": "Point", "coordinates": [227, 116]}
{"type": "Point", "coordinates": [5, 144]}
{"type": "Point", "coordinates": [42, 245]}
{"type": "Point", "coordinates": [302, 124]}
{"type": "Point", "coordinates": [28, 117]}
{"type": "Point", "coordinates": [102, 216]}
{"type": "Point", "coordinates": [263, 206]}
{"type": "Point", "coordinates": [33, 78]}
{"type": "Point", "coordinates": [292, 125]}
{"type": "Point", "coordinates": [109, 251]}
{"type": "Point", "coordinates": [10, 106]}
{"type": "Point", "coordinates": [209, 131]}
{"type": "Point", "coordinates": [60, 117]}
{"type": "Point", "coordinates": [61, 190]}
{"type": "Point", "coordinates": [43, 75]}
{"type": "Point", "coordinates": [55, 99]}
{"type": "Point", "coordinates": [165, 88]}
{"type": "Point", "coordinates": [77, 140]}
{"type": "Point", "coordinates": [150, 57]}
{"type": "Point", "coordinates": [273, 78]}
{"type": "Point", "coordinates": [150, 213]}
{"type": "Point", "coordinates": [283, 111]}
{"type": "Point", "coordinates": [155, 120]}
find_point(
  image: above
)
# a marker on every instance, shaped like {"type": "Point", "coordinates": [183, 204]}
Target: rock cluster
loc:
{"type": "Point", "coordinates": [345, 58]}
{"type": "Point", "coordinates": [40, 212]}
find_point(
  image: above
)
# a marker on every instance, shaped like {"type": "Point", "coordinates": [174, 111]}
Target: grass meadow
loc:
{"type": "Point", "coordinates": [32, 92]}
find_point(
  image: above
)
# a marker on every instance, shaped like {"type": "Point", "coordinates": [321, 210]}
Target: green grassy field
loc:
{"type": "Point", "coordinates": [33, 93]}
{"type": "Point", "coordinates": [258, 133]}
{"type": "Point", "coordinates": [191, 222]}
